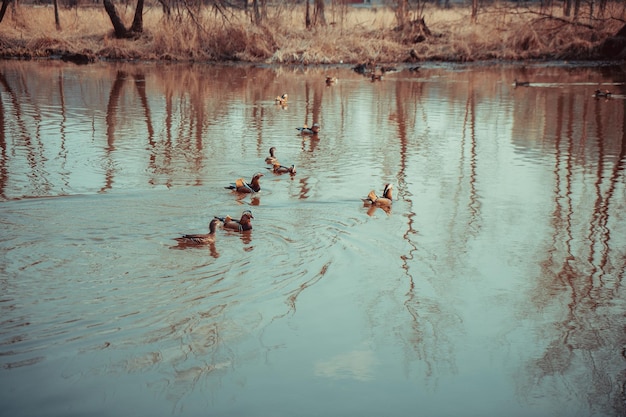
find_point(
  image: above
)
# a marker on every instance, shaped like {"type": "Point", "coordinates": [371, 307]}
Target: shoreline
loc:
{"type": "Point", "coordinates": [360, 35]}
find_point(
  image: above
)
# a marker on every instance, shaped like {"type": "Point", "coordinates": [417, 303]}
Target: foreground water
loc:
{"type": "Point", "coordinates": [493, 287]}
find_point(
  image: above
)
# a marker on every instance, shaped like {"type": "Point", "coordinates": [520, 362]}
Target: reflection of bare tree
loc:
{"type": "Point", "coordinates": [4, 172]}
{"type": "Point", "coordinates": [112, 107]}
{"type": "Point", "coordinates": [62, 127]}
{"type": "Point", "coordinates": [312, 112]}
{"type": "Point", "coordinates": [467, 212]}
{"type": "Point", "coordinates": [580, 273]}
{"type": "Point", "coordinates": [429, 320]}
{"type": "Point", "coordinates": [474, 203]}
{"type": "Point", "coordinates": [34, 151]}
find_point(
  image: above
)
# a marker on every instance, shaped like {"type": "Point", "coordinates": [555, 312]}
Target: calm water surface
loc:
{"type": "Point", "coordinates": [493, 287]}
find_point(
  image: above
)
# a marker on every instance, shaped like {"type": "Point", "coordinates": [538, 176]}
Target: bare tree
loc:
{"type": "Point", "coordinates": [118, 26]}
{"type": "Point", "coordinates": [474, 10]}
{"type": "Point", "coordinates": [57, 22]}
{"type": "Point", "coordinates": [318, 13]}
{"type": "Point", "coordinates": [402, 12]}
{"type": "Point", "coordinates": [3, 10]}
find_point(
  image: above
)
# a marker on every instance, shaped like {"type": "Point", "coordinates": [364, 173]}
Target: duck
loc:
{"type": "Point", "coordinates": [364, 67]}
{"type": "Point", "coordinates": [241, 186]}
{"type": "Point", "coordinates": [277, 168]}
{"type": "Point", "coordinates": [602, 94]}
{"type": "Point", "coordinates": [282, 100]}
{"type": "Point", "coordinates": [330, 80]}
{"type": "Point", "coordinates": [377, 77]}
{"type": "Point", "coordinates": [241, 225]}
{"type": "Point", "coordinates": [200, 239]}
{"type": "Point", "coordinates": [313, 130]}
{"type": "Point", "coordinates": [272, 158]}
{"type": "Point", "coordinates": [385, 201]}
{"type": "Point", "coordinates": [521, 83]}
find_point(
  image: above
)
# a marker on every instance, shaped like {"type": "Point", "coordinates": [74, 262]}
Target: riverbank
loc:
{"type": "Point", "coordinates": [351, 35]}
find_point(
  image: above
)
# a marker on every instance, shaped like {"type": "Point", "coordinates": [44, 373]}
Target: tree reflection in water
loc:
{"type": "Point", "coordinates": [477, 240]}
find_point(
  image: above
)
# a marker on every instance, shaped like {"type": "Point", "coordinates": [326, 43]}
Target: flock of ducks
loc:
{"type": "Point", "coordinates": [373, 201]}
{"type": "Point", "coordinates": [241, 186]}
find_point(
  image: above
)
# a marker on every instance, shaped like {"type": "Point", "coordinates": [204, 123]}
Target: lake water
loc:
{"type": "Point", "coordinates": [493, 287]}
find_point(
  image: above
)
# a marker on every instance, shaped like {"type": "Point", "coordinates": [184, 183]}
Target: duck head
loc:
{"type": "Point", "coordinates": [213, 224]}
{"type": "Point", "coordinates": [387, 192]}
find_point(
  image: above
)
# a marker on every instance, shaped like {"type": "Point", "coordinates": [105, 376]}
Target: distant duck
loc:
{"type": "Point", "coordinates": [200, 239]}
{"type": "Point", "coordinates": [383, 71]}
{"type": "Point", "coordinates": [313, 130]}
{"type": "Point", "coordinates": [517, 83]}
{"type": "Point", "coordinates": [602, 94]}
{"type": "Point", "coordinates": [364, 67]}
{"type": "Point", "coordinates": [272, 158]}
{"type": "Point", "coordinates": [385, 201]}
{"type": "Point", "coordinates": [241, 225]}
{"type": "Point", "coordinates": [282, 100]}
{"type": "Point", "coordinates": [330, 80]}
{"type": "Point", "coordinates": [277, 168]}
{"type": "Point", "coordinates": [242, 186]}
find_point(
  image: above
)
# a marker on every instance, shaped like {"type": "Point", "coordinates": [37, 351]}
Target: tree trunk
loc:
{"type": "Point", "coordinates": [318, 13]}
{"type": "Point", "coordinates": [137, 26]}
{"type": "Point", "coordinates": [402, 10]}
{"type": "Point", "coordinates": [57, 22]}
{"type": "Point", "coordinates": [567, 7]}
{"type": "Point", "coordinates": [307, 18]}
{"type": "Point", "coordinates": [257, 12]}
{"type": "Point", "coordinates": [118, 25]}
{"type": "Point", "coordinates": [474, 10]}
{"type": "Point", "coordinates": [5, 4]}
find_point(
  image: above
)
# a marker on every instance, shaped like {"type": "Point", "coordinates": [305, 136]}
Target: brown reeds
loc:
{"type": "Point", "coordinates": [353, 35]}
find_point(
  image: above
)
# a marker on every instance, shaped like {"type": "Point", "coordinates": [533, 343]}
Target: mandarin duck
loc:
{"type": "Point", "coordinates": [282, 100]}
{"type": "Point", "coordinates": [602, 94]}
{"type": "Point", "coordinates": [385, 201]}
{"type": "Point", "coordinates": [241, 186]}
{"type": "Point", "coordinates": [313, 130]}
{"type": "Point", "coordinates": [240, 225]}
{"type": "Point", "coordinates": [272, 158]}
{"type": "Point", "coordinates": [200, 239]}
{"type": "Point", "coordinates": [277, 168]}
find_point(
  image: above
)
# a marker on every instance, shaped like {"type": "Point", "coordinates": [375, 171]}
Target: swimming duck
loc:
{"type": "Point", "coordinates": [377, 77]}
{"type": "Point", "coordinates": [385, 201]}
{"type": "Point", "coordinates": [277, 168]}
{"type": "Point", "coordinates": [200, 239]}
{"type": "Point", "coordinates": [602, 94]}
{"type": "Point", "coordinates": [282, 100]}
{"type": "Point", "coordinates": [240, 225]}
{"type": "Point", "coordinates": [521, 83]}
{"type": "Point", "coordinates": [364, 67]}
{"type": "Point", "coordinates": [313, 130]}
{"type": "Point", "coordinates": [330, 80]}
{"type": "Point", "coordinates": [272, 158]}
{"type": "Point", "coordinates": [242, 186]}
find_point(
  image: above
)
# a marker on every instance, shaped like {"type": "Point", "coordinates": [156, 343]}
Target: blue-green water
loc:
{"type": "Point", "coordinates": [493, 287]}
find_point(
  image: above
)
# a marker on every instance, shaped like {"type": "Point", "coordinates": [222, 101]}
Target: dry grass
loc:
{"type": "Point", "coordinates": [352, 35]}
